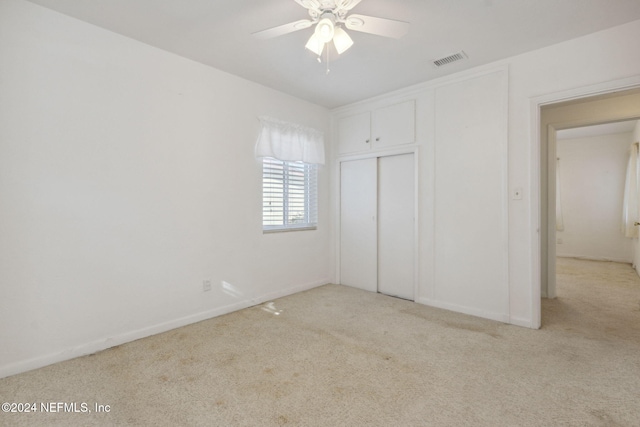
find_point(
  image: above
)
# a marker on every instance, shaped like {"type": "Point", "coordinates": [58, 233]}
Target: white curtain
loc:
{"type": "Point", "coordinates": [559, 217]}
{"type": "Point", "coordinates": [290, 142]}
{"type": "Point", "coordinates": [631, 187]}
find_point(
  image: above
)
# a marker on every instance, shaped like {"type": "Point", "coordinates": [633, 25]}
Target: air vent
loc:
{"type": "Point", "coordinates": [449, 59]}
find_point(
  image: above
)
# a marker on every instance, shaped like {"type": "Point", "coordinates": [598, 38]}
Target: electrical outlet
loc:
{"type": "Point", "coordinates": [206, 285]}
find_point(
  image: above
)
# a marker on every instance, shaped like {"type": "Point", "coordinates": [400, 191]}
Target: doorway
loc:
{"type": "Point", "coordinates": [610, 107]}
{"type": "Point", "coordinates": [591, 172]}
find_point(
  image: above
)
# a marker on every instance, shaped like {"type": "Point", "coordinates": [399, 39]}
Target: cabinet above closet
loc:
{"type": "Point", "coordinates": [383, 127]}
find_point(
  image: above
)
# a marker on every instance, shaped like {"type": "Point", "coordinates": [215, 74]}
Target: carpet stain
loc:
{"type": "Point", "coordinates": [282, 420]}
{"type": "Point", "coordinates": [189, 361]}
{"type": "Point", "coordinates": [163, 357]}
{"type": "Point", "coordinates": [115, 348]}
{"type": "Point", "coordinates": [471, 328]}
{"type": "Point", "coordinates": [228, 359]}
{"type": "Point", "coordinates": [605, 418]}
{"type": "Point", "coordinates": [421, 313]}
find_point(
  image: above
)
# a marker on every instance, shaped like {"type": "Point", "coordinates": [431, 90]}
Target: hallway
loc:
{"type": "Point", "coordinates": [596, 299]}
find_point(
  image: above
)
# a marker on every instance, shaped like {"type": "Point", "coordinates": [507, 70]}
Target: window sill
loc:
{"type": "Point", "coordinates": [287, 229]}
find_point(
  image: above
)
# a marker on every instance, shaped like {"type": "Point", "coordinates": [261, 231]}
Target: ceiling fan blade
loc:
{"type": "Point", "coordinates": [283, 29]}
{"type": "Point", "coordinates": [310, 4]}
{"type": "Point", "coordinates": [378, 26]}
{"type": "Point", "coordinates": [346, 5]}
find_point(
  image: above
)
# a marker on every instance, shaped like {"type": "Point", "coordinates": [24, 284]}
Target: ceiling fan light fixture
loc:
{"type": "Point", "coordinates": [325, 28]}
{"type": "Point", "coordinates": [330, 19]}
{"type": "Point", "coordinates": [341, 40]}
{"type": "Point", "coordinates": [315, 45]}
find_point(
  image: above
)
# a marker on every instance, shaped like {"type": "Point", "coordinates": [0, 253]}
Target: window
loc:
{"type": "Point", "coordinates": [290, 156]}
{"type": "Point", "coordinates": [289, 195]}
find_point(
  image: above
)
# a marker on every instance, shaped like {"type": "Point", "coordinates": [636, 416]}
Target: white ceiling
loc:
{"type": "Point", "coordinates": [218, 33]}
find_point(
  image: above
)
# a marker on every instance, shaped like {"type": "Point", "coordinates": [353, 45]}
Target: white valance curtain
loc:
{"type": "Point", "coordinates": [289, 142]}
{"type": "Point", "coordinates": [631, 205]}
{"type": "Point", "coordinates": [559, 216]}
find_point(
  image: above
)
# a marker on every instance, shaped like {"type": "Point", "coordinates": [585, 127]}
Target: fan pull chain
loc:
{"type": "Point", "coordinates": [328, 70]}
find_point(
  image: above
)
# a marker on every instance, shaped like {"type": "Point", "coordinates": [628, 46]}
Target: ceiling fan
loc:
{"type": "Point", "coordinates": [329, 16]}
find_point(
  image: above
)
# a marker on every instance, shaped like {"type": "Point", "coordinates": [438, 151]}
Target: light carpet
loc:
{"type": "Point", "coordinates": [338, 356]}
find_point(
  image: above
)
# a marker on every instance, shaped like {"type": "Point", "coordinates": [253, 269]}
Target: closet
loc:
{"type": "Point", "coordinates": [454, 255]}
{"type": "Point", "coordinates": [377, 224]}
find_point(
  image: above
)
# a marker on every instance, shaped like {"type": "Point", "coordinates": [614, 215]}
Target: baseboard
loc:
{"type": "Point", "coordinates": [500, 317]}
{"type": "Point", "coordinates": [105, 343]}
{"type": "Point", "coordinates": [290, 291]}
{"type": "Point", "coordinates": [592, 258]}
{"type": "Point", "coordinates": [525, 323]}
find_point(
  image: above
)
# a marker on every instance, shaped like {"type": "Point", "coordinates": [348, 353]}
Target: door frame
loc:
{"type": "Point", "coordinates": [412, 149]}
{"type": "Point", "coordinates": [543, 149]}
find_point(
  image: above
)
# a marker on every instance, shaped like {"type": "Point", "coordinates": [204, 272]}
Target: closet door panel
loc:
{"type": "Point", "coordinates": [358, 224]}
{"type": "Point", "coordinates": [396, 225]}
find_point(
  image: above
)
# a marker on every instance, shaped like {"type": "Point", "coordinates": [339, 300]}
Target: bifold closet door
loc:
{"type": "Point", "coordinates": [396, 225]}
{"type": "Point", "coordinates": [358, 224]}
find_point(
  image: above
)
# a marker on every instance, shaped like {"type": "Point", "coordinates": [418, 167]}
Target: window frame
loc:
{"type": "Point", "coordinates": [293, 193]}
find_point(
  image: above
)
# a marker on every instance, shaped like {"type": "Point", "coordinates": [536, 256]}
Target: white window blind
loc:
{"type": "Point", "coordinates": [289, 195]}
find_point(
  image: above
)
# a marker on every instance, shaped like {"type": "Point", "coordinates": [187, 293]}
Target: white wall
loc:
{"type": "Point", "coordinates": [127, 177]}
{"type": "Point", "coordinates": [592, 176]}
{"type": "Point", "coordinates": [468, 189]}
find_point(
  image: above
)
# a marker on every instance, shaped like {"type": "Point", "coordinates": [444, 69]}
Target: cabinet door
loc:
{"type": "Point", "coordinates": [354, 133]}
{"type": "Point", "coordinates": [394, 125]}
{"type": "Point", "coordinates": [358, 226]}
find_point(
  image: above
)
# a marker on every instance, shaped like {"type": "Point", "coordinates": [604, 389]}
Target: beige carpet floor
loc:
{"type": "Point", "coordinates": [337, 356]}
